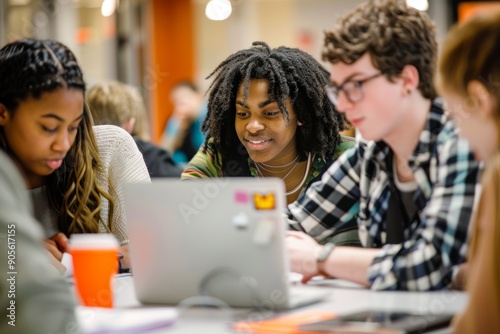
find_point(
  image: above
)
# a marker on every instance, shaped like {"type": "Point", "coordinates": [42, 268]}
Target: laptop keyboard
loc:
{"type": "Point", "coordinates": [300, 296]}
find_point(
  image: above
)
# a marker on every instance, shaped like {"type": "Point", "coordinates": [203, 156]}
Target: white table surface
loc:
{"type": "Point", "coordinates": [345, 298]}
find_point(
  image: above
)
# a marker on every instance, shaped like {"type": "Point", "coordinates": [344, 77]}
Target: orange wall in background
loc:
{"type": "Point", "coordinates": [171, 56]}
{"type": "Point", "coordinates": [468, 9]}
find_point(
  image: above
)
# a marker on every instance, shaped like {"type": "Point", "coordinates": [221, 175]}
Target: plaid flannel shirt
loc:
{"type": "Point", "coordinates": [357, 186]}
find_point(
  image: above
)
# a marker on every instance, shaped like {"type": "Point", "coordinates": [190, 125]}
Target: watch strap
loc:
{"type": "Point", "coordinates": [325, 251]}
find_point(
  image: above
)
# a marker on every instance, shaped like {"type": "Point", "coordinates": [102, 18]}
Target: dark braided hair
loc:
{"type": "Point", "coordinates": [28, 69]}
{"type": "Point", "coordinates": [292, 74]}
{"type": "Point", "coordinates": [31, 67]}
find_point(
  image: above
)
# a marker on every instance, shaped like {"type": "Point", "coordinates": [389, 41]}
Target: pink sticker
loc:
{"type": "Point", "coordinates": [241, 197]}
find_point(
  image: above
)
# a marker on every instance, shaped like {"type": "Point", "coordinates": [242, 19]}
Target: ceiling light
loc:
{"type": "Point", "coordinates": [421, 5]}
{"type": "Point", "coordinates": [108, 7]}
{"type": "Point", "coordinates": [218, 10]}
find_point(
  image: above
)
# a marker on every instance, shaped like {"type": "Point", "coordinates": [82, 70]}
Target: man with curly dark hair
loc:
{"type": "Point", "coordinates": [411, 185]}
{"type": "Point", "coordinates": [269, 116]}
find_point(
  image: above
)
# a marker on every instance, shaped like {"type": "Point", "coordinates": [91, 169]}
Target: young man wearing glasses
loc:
{"type": "Point", "coordinates": [411, 185]}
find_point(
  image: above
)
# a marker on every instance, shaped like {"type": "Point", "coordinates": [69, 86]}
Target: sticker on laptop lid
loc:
{"type": "Point", "coordinates": [264, 231]}
{"type": "Point", "coordinates": [241, 197]}
{"type": "Point", "coordinates": [265, 201]}
{"type": "Point", "coordinates": [241, 220]}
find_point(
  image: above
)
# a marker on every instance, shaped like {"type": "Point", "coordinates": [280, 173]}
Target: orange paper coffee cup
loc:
{"type": "Point", "coordinates": [95, 261]}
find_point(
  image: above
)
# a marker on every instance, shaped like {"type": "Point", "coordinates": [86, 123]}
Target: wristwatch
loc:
{"type": "Point", "coordinates": [325, 251]}
{"type": "Point", "coordinates": [122, 269]}
{"type": "Point", "coordinates": [323, 254]}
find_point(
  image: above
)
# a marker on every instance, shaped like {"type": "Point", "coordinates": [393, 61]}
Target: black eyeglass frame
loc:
{"type": "Point", "coordinates": [333, 91]}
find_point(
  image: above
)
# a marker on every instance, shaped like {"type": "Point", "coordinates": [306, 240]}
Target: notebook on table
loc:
{"type": "Point", "coordinates": [216, 241]}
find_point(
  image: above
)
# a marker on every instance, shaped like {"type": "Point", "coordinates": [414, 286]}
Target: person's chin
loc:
{"type": "Point", "coordinates": [259, 156]}
{"type": "Point", "coordinates": [369, 136]}
{"type": "Point", "coordinates": [46, 170]}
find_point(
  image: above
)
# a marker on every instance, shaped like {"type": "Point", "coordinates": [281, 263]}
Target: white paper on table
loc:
{"type": "Point", "coordinates": [98, 320]}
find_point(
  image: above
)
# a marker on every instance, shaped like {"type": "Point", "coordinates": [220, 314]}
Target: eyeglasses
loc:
{"type": "Point", "coordinates": [353, 90]}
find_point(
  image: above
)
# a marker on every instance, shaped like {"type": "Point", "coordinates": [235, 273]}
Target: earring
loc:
{"type": "Point", "coordinates": [299, 123]}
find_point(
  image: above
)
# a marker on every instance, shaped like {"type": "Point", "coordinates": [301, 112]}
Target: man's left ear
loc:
{"type": "Point", "coordinates": [485, 100]}
{"type": "Point", "coordinates": [410, 78]}
{"type": "Point", "coordinates": [4, 114]}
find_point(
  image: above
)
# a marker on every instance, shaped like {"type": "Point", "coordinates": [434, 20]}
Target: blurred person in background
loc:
{"type": "Point", "coordinates": [119, 104]}
{"type": "Point", "coordinates": [183, 136]}
{"type": "Point", "coordinates": [469, 80]}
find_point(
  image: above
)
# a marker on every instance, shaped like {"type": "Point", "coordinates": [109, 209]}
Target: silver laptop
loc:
{"type": "Point", "coordinates": [218, 241]}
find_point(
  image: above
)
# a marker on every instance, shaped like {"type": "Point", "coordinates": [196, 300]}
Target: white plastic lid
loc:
{"type": "Point", "coordinates": [93, 241]}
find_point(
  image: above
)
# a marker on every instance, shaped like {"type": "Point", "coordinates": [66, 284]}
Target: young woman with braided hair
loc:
{"type": "Point", "coordinates": [74, 171]}
{"type": "Point", "coordinates": [269, 116]}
